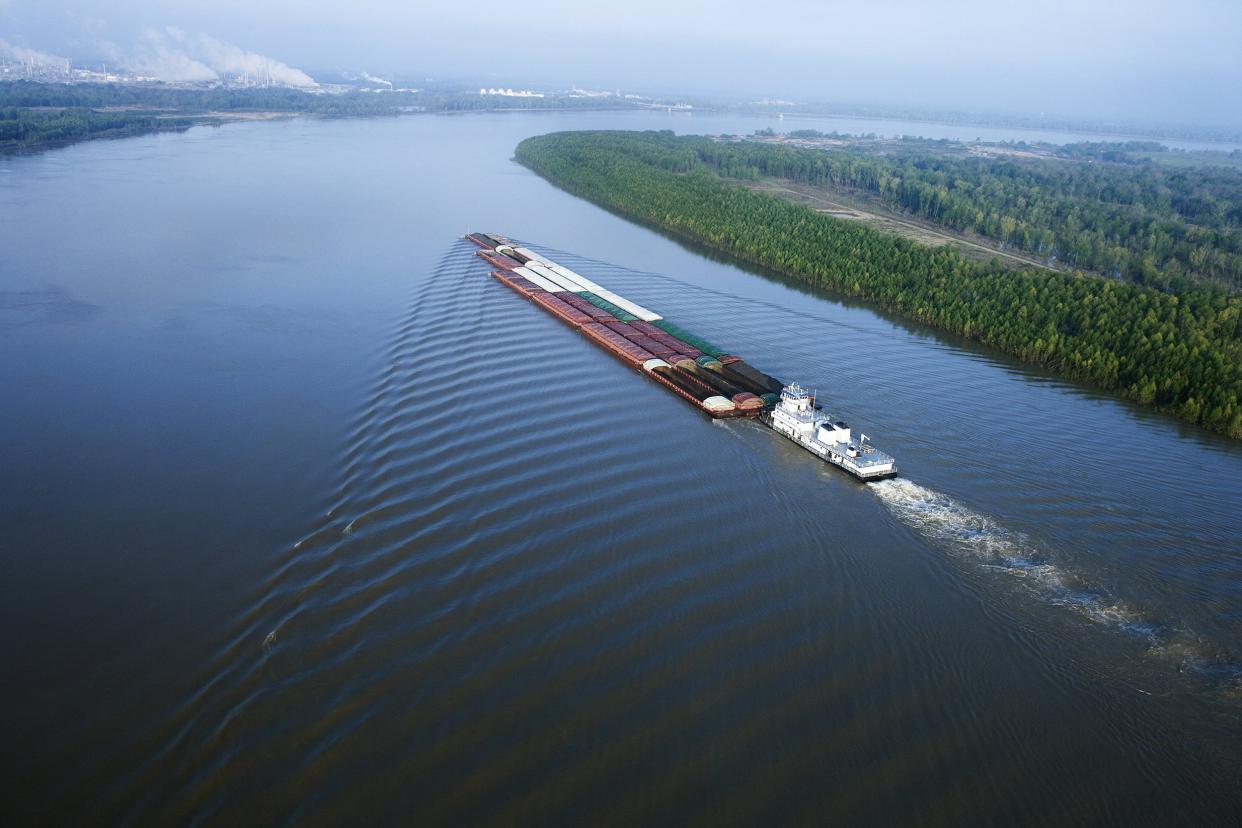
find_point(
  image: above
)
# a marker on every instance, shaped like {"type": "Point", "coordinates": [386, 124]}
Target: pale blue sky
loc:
{"type": "Point", "coordinates": [1140, 59]}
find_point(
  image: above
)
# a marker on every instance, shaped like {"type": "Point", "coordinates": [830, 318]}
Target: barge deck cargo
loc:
{"type": "Point", "coordinates": [718, 383]}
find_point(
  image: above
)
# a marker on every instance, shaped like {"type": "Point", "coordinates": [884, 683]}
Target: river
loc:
{"type": "Point", "coordinates": [307, 520]}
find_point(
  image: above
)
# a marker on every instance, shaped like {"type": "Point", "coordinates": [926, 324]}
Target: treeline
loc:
{"type": "Point", "coordinates": [26, 122]}
{"type": "Point", "coordinates": [24, 128]}
{"type": "Point", "coordinates": [151, 96]}
{"type": "Point", "coordinates": [1158, 226]}
{"type": "Point", "coordinates": [279, 99]}
{"type": "Point", "coordinates": [1181, 353]}
{"type": "Point", "coordinates": [1011, 120]}
{"type": "Point", "coordinates": [1118, 152]}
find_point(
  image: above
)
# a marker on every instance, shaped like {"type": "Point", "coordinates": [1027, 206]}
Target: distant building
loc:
{"type": "Point", "coordinates": [510, 93]}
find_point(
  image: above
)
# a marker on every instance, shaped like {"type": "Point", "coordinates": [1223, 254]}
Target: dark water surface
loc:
{"type": "Point", "coordinates": [307, 520]}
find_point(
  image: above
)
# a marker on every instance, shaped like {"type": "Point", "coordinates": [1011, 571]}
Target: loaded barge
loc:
{"type": "Point", "coordinates": [718, 383]}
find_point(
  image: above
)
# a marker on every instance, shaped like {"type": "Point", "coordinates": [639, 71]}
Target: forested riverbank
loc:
{"type": "Point", "coordinates": [1105, 208]}
{"type": "Point", "coordinates": [22, 129]}
{"type": "Point", "coordinates": [1178, 351]}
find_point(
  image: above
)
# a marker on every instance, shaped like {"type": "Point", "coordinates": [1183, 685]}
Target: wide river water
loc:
{"type": "Point", "coordinates": [307, 520]}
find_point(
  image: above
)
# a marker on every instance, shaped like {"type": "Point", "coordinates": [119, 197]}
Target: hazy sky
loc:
{"type": "Point", "coordinates": [1138, 59]}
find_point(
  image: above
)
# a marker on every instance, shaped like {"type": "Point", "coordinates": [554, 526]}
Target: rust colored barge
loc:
{"type": "Point", "coordinates": [719, 384]}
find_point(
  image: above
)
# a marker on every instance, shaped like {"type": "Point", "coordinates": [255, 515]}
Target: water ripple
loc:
{"type": "Point", "coordinates": [544, 583]}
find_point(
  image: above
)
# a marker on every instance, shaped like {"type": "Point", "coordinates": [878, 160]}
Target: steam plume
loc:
{"type": "Point", "coordinates": [170, 54]}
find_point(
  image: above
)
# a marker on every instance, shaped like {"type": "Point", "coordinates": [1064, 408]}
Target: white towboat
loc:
{"type": "Point", "coordinates": [797, 417]}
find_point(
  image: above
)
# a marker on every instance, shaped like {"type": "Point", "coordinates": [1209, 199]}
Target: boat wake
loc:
{"type": "Point", "coordinates": [974, 536]}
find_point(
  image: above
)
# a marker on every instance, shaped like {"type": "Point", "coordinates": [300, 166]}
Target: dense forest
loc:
{"type": "Point", "coordinates": [24, 128]}
{"type": "Point", "coordinates": [1180, 352]}
{"type": "Point", "coordinates": [1156, 225]}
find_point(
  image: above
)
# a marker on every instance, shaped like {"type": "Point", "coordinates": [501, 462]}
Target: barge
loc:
{"type": "Point", "coordinates": [720, 384]}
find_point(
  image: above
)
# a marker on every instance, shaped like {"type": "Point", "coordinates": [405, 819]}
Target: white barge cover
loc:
{"type": "Point", "coordinates": [537, 280]}
{"type": "Point", "coordinates": [582, 283]}
{"type": "Point", "coordinates": [553, 277]}
{"type": "Point", "coordinates": [530, 254]}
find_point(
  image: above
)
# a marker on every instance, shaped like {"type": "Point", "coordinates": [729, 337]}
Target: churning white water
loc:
{"type": "Point", "coordinates": [972, 535]}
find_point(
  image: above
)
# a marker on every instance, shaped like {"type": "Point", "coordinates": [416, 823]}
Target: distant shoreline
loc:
{"type": "Point", "coordinates": [254, 103]}
{"type": "Point", "coordinates": [1085, 130]}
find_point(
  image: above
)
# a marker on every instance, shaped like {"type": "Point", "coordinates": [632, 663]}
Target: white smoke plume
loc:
{"type": "Point", "coordinates": [159, 56]}
{"type": "Point", "coordinates": [367, 76]}
{"type": "Point", "coordinates": [31, 57]}
{"type": "Point", "coordinates": [170, 54]}
{"type": "Point", "coordinates": [228, 59]}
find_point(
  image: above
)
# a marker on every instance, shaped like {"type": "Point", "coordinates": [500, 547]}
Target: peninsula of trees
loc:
{"type": "Point", "coordinates": [1176, 346]}
{"type": "Point", "coordinates": [29, 129]}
